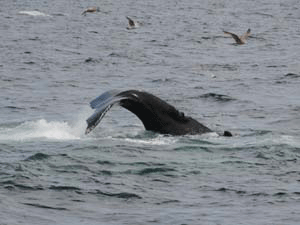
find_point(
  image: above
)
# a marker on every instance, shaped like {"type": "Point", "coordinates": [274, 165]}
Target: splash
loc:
{"type": "Point", "coordinates": [41, 129]}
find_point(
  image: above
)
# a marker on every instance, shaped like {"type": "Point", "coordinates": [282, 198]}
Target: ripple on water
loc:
{"type": "Point", "coordinates": [125, 195]}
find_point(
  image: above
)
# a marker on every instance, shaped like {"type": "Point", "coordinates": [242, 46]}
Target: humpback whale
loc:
{"type": "Point", "coordinates": [239, 40]}
{"type": "Point", "coordinates": [155, 114]}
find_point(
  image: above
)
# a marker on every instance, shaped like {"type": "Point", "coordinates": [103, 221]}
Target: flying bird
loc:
{"type": "Point", "coordinates": [132, 24]}
{"type": "Point", "coordinates": [239, 39]}
{"type": "Point", "coordinates": [90, 10]}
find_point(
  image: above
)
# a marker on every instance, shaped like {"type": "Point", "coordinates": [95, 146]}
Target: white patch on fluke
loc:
{"type": "Point", "coordinates": [135, 95]}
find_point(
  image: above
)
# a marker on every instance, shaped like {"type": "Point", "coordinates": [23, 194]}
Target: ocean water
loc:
{"type": "Point", "coordinates": [54, 61]}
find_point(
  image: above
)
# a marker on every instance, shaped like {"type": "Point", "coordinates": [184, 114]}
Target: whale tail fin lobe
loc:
{"type": "Point", "coordinates": [95, 119]}
{"type": "Point", "coordinates": [102, 99]}
{"type": "Point", "coordinates": [102, 104]}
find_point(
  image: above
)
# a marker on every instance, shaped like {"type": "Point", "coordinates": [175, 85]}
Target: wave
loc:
{"type": "Point", "coordinates": [291, 75]}
{"type": "Point", "coordinates": [289, 140]}
{"type": "Point", "coordinates": [159, 170]}
{"type": "Point", "coordinates": [44, 206]}
{"type": "Point", "coordinates": [217, 97]}
{"type": "Point", "coordinates": [64, 188]}
{"type": "Point", "coordinates": [12, 185]}
{"type": "Point", "coordinates": [37, 157]}
{"type": "Point", "coordinates": [125, 195]}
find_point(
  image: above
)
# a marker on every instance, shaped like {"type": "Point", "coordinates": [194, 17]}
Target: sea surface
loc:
{"type": "Point", "coordinates": [54, 61]}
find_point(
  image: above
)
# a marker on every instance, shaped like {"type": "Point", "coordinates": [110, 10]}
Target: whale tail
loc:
{"type": "Point", "coordinates": [102, 104]}
{"type": "Point", "coordinates": [156, 114]}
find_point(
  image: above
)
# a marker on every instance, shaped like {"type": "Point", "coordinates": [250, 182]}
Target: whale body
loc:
{"type": "Point", "coordinates": [155, 114]}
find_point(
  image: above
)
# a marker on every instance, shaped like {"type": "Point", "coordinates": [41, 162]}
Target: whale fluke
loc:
{"type": "Point", "coordinates": [102, 104]}
{"type": "Point", "coordinates": [155, 114]}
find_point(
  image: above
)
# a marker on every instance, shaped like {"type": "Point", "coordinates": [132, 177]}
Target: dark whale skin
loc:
{"type": "Point", "coordinates": [156, 114]}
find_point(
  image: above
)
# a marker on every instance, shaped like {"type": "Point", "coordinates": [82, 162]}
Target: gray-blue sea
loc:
{"type": "Point", "coordinates": [54, 61]}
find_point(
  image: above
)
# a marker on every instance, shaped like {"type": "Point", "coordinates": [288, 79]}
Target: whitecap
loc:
{"type": "Point", "coordinates": [289, 140]}
{"type": "Point", "coordinates": [159, 140]}
{"type": "Point", "coordinates": [33, 13]}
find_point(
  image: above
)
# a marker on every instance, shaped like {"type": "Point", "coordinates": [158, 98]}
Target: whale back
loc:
{"type": "Point", "coordinates": [158, 115]}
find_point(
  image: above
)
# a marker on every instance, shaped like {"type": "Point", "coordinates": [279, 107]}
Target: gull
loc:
{"type": "Point", "coordinates": [239, 40]}
{"type": "Point", "coordinates": [132, 24]}
{"type": "Point", "coordinates": [90, 10]}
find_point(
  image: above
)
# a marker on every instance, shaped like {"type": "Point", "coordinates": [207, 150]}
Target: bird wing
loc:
{"type": "Point", "coordinates": [235, 37]}
{"type": "Point", "coordinates": [246, 35]}
{"type": "Point", "coordinates": [130, 21]}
